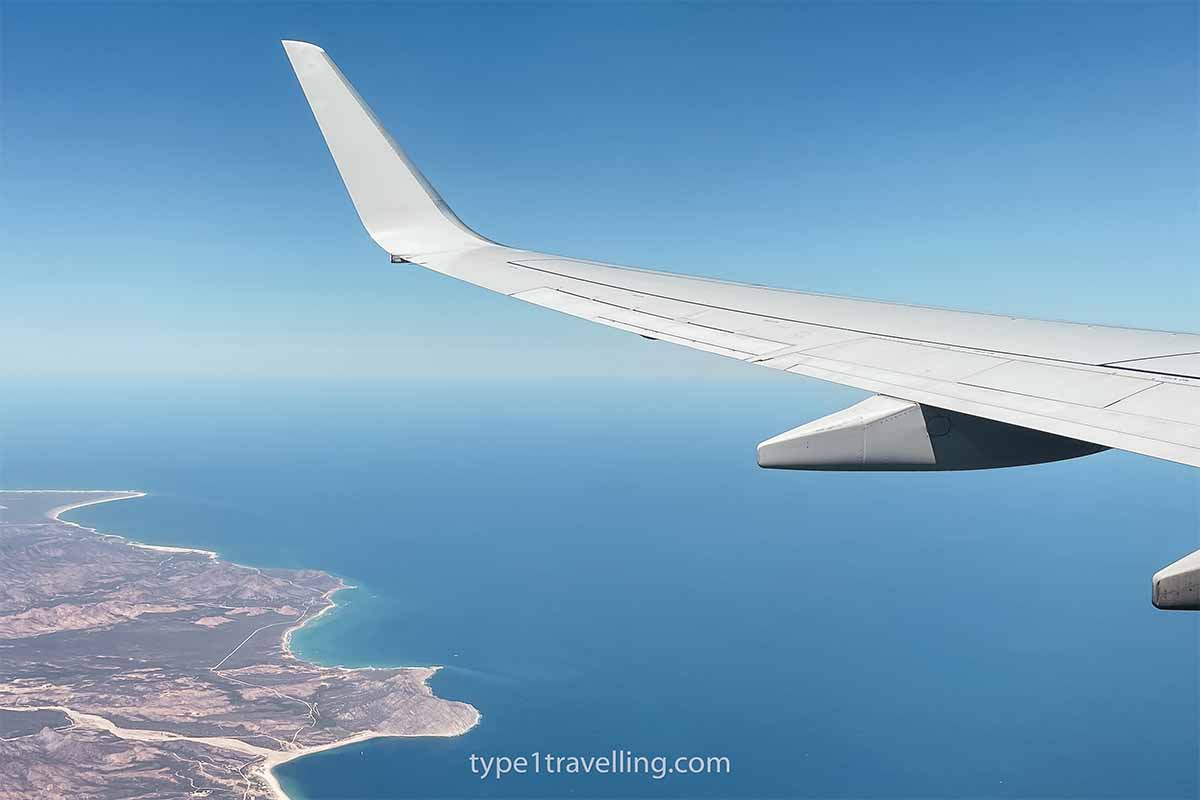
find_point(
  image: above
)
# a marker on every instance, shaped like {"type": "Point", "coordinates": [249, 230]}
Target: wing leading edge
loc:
{"type": "Point", "coordinates": [1080, 388]}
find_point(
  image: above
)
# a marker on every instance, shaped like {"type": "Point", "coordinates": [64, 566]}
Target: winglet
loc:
{"type": "Point", "coordinates": [402, 212]}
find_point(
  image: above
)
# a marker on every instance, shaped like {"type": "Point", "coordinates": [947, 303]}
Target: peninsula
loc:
{"type": "Point", "coordinates": [142, 671]}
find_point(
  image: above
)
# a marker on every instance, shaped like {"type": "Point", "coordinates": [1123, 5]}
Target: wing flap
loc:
{"type": "Point", "coordinates": [1060, 382]}
{"type": "Point", "coordinates": [1170, 401]}
{"type": "Point", "coordinates": [909, 358]}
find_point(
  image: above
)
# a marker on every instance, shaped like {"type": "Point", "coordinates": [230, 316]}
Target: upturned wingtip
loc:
{"type": "Point", "coordinates": [295, 45]}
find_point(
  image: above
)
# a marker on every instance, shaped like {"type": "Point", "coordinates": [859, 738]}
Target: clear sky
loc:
{"type": "Point", "coordinates": [169, 208]}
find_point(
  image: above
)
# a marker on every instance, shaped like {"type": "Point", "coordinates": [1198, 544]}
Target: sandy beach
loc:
{"type": "Point", "coordinates": [56, 515]}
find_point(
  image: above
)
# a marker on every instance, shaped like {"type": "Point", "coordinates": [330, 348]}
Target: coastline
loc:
{"type": "Point", "coordinates": [275, 758]}
{"type": "Point", "coordinates": [270, 758]}
{"type": "Point", "coordinates": [55, 514]}
{"type": "Point", "coordinates": [330, 604]}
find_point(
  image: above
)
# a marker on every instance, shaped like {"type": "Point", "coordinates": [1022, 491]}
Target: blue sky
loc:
{"type": "Point", "coordinates": [169, 208]}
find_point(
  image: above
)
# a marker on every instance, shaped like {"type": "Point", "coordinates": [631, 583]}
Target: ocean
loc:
{"type": "Point", "coordinates": [601, 566]}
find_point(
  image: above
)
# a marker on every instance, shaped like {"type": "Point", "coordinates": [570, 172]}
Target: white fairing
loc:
{"type": "Point", "coordinates": [1137, 390]}
{"type": "Point", "coordinates": [1176, 587]}
{"type": "Point", "coordinates": [880, 431]}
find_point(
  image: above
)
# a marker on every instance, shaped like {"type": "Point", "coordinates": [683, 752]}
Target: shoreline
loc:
{"type": "Point", "coordinates": [277, 758]}
{"type": "Point", "coordinates": [330, 605]}
{"type": "Point", "coordinates": [55, 515]}
{"type": "Point", "coordinates": [271, 758]}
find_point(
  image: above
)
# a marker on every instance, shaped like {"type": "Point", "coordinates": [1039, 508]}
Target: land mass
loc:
{"type": "Point", "coordinates": [136, 671]}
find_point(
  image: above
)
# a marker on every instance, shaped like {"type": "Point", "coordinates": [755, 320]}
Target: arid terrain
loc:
{"type": "Point", "coordinates": [134, 671]}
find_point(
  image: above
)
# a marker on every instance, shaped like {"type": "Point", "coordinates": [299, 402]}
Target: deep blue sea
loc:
{"type": "Point", "coordinates": [602, 566]}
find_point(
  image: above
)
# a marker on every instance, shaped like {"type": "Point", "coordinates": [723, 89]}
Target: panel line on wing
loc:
{"type": "Point", "coordinates": [1150, 358]}
{"type": "Point", "coordinates": [1001, 352]}
{"type": "Point", "coordinates": [679, 331]}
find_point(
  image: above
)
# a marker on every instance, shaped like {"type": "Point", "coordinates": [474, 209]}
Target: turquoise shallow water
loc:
{"type": "Point", "coordinates": [603, 567]}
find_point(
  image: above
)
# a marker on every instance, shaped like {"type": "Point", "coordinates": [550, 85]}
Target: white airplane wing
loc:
{"type": "Point", "coordinates": [955, 390]}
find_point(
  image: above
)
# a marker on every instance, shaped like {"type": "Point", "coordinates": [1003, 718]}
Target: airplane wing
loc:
{"type": "Point", "coordinates": [954, 390]}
